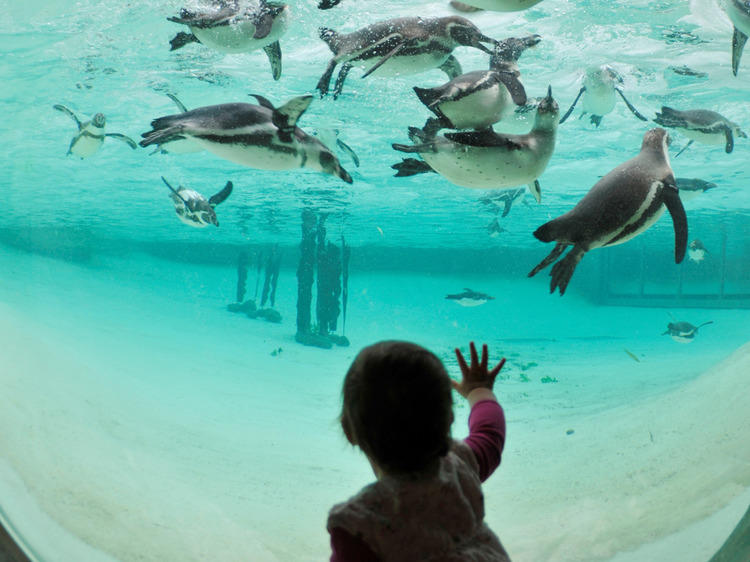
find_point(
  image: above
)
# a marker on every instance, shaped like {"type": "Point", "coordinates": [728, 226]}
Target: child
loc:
{"type": "Point", "coordinates": [427, 502]}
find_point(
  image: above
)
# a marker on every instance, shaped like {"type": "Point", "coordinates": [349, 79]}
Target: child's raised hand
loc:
{"type": "Point", "coordinates": [475, 375]}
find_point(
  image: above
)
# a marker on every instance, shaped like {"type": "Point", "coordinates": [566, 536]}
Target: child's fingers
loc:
{"type": "Point", "coordinates": [474, 358]}
{"type": "Point", "coordinates": [461, 361]}
{"type": "Point", "coordinates": [485, 357]}
{"type": "Point", "coordinates": [496, 370]}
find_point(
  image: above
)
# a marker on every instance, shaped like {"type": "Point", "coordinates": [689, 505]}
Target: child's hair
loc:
{"type": "Point", "coordinates": [398, 406]}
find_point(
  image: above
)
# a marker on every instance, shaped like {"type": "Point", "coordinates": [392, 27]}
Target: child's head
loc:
{"type": "Point", "coordinates": [398, 406]}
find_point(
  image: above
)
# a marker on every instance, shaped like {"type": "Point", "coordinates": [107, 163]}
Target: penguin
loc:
{"type": "Point", "coordinates": [702, 125]}
{"type": "Point", "coordinates": [485, 159]}
{"type": "Point", "coordinates": [330, 137]}
{"type": "Point", "coordinates": [406, 45]}
{"type": "Point", "coordinates": [620, 206]}
{"type": "Point", "coordinates": [739, 12]}
{"type": "Point", "coordinates": [600, 83]}
{"type": "Point", "coordinates": [683, 332]}
{"type": "Point", "coordinates": [470, 298]}
{"type": "Point", "coordinates": [690, 188]}
{"type": "Point", "coordinates": [228, 28]}
{"type": "Point", "coordinates": [493, 5]}
{"type": "Point", "coordinates": [697, 251]}
{"type": "Point", "coordinates": [507, 197]}
{"type": "Point", "coordinates": [193, 209]}
{"type": "Point", "coordinates": [476, 100]}
{"type": "Point", "coordinates": [259, 136]}
{"type": "Point", "coordinates": [91, 134]}
{"type": "Point", "coordinates": [328, 4]}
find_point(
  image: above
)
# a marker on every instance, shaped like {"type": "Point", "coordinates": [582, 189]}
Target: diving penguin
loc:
{"type": "Point", "coordinates": [620, 206]}
{"type": "Point", "coordinates": [690, 188]}
{"type": "Point", "coordinates": [90, 134]}
{"type": "Point", "coordinates": [485, 159]}
{"type": "Point", "coordinates": [193, 209]}
{"type": "Point", "coordinates": [229, 28]}
{"type": "Point", "coordinates": [697, 251]}
{"type": "Point", "coordinates": [470, 298]}
{"type": "Point", "coordinates": [258, 136]}
{"type": "Point", "coordinates": [476, 100]}
{"type": "Point", "coordinates": [600, 83]}
{"type": "Point", "coordinates": [507, 197]}
{"type": "Point", "coordinates": [328, 4]}
{"type": "Point", "coordinates": [683, 332]}
{"type": "Point", "coordinates": [739, 12]}
{"type": "Point", "coordinates": [702, 125]}
{"type": "Point", "coordinates": [406, 45]}
{"type": "Point", "coordinates": [493, 5]}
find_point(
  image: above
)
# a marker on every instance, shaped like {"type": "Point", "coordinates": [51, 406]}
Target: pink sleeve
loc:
{"type": "Point", "coordinates": [348, 548]}
{"type": "Point", "coordinates": [486, 435]}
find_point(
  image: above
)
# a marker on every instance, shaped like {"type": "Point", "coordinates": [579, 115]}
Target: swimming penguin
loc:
{"type": "Point", "coordinates": [470, 298]}
{"type": "Point", "coordinates": [328, 4]}
{"type": "Point", "coordinates": [620, 206]}
{"type": "Point", "coordinates": [697, 251]}
{"type": "Point", "coordinates": [193, 209]}
{"type": "Point", "coordinates": [258, 136]}
{"type": "Point", "coordinates": [476, 100]}
{"type": "Point", "coordinates": [683, 332]}
{"type": "Point", "coordinates": [90, 134]}
{"type": "Point", "coordinates": [493, 5]}
{"type": "Point", "coordinates": [690, 188]}
{"type": "Point", "coordinates": [600, 83]}
{"type": "Point", "coordinates": [739, 12]}
{"type": "Point", "coordinates": [400, 46]}
{"type": "Point", "coordinates": [228, 28]}
{"type": "Point", "coordinates": [702, 125]}
{"type": "Point", "coordinates": [485, 159]}
{"type": "Point", "coordinates": [507, 197]}
{"type": "Point", "coordinates": [178, 146]}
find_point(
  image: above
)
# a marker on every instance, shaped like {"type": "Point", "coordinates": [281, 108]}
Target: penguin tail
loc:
{"type": "Point", "coordinates": [182, 39]}
{"type": "Point", "coordinates": [668, 117]}
{"type": "Point", "coordinates": [411, 167]}
{"type": "Point", "coordinates": [405, 147]}
{"type": "Point", "coordinates": [161, 135]}
{"type": "Point", "coordinates": [426, 95]}
{"type": "Point", "coordinates": [330, 37]}
{"type": "Point", "coordinates": [546, 232]}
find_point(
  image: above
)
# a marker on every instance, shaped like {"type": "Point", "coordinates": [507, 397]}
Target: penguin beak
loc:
{"type": "Point", "coordinates": [549, 97]}
{"type": "Point", "coordinates": [484, 39]}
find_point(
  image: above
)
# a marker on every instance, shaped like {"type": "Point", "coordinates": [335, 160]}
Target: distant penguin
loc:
{"type": "Point", "coordinates": [600, 84]}
{"type": "Point", "coordinates": [328, 4]}
{"type": "Point", "coordinates": [683, 332]}
{"type": "Point", "coordinates": [702, 125]}
{"type": "Point", "coordinates": [494, 229]}
{"type": "Point", "coordinates": [229, 28]}
{"type": "Point", "coordinates": [470, 298]}
{"type": "Point", "coordinates": [493, 5]}
{"type": "Point", "coordinates": [507, 197]}
{"type": "Point", "coordinates": [406, 45]}
{"type": "Point", "coordinates": [193, 209]}
{"type": "Point", "coordinates": [476, 100]}
{"type": "Point", "coordinates": [690, 188]}
{"type": "Point", "coordinates": [485, 159]}
{"type": "Point", "coordinates": [620, 206]}
{"type": "Point", "coordinates": [697, 251]}
{"type": "Point", "coordinates": [258, 136]}
{"type": "Point", "coordinates": [739, 12]}
{"type": "Point", "coordinates": [91, 134]}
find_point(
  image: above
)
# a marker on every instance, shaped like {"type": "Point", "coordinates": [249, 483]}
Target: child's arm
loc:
{"type": "Point", "coordinates": [487, 420]}
{"type": "Point", "coordinates": [346, 547]}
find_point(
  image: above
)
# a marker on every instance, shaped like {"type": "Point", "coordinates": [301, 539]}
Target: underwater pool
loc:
{"type": "Point", "coordinates": [173, 393]}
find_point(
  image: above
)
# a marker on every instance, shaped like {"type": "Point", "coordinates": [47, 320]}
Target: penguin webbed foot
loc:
{"type": "Point", "coordinates": [596, 120]}
{"type": "Point", "coordinates": [411, 167]}
{"type": "Point", "coordinates": [182, 39]}
{"type": "Point", "coordinates": [563, 270]}
{"type": "Point", "coordinates": [340, 79]}
{"type": "Point", "coordinates": [325, 80]}
{"type": "Point", "coordinates": [553, 255]}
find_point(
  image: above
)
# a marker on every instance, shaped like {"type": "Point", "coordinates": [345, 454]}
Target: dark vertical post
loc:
{"type": "Point", "coordinates": [305, 272]}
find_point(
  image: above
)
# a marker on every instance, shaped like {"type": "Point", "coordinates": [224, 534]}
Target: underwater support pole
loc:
{"type": "Point", "coordinates": [345, 254]}
{"type": "Point", "coordinates": [305, 274]}
{"type": "Point", "coordinates": [242, 263]}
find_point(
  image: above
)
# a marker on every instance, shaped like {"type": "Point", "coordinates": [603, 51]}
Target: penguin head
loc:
{"type": "Point", "coordinates": [465, 33]}
{"type": "Point", "coordinates": [320, 158]}
{"type": "Point", "coordinates": [99, 120]}
{"type": "Point", "coordinates": [656, 139]}
{"type": "Point", "coordinates": [547, 110]}
{"type": "Point", "coordinates": [511, 49]}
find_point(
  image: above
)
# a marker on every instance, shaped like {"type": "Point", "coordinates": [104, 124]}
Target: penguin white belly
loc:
{"type": "Point", "coordinates": [740, 16]}
{"type": "Point", "coordinates": [470, 302]}
{"type": "Point", "coordinates": [238, 37]}
{"type": "Point", "coordinates": [696, 255]}
{"type": "Point", "coordinates": [480, 109]}
{"type": "Point", "coordinates": [502, 5]}
{"type": "Point", "coordinates": [87, 145]}
{"type": "Point", "coordinates": [487, 168]}
{"type": "Point", "coordinates": [705, 138]}
{"type": "Point", "coordinates": [409, 64]}
{"type": "Point", "coordinates": [255, 156]}
{"type": "Point", "coordinates": [599, 99]}
{"type": "Point", "coordinates": [682, 339]}
{"type": "Point", "coordinates": [181, 146]}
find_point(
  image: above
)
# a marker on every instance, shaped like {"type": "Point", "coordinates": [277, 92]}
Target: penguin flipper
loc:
{"type": "Point", "coordinates": [730, 139]}
{"type": "Point", "coordinates": [684, 148]}
{"type": "Point", "coordinates": [124, 138]}
{"type": "Point", "coordinates": [451, 67]}
{"type": "Point", "coordinates": [575, 101]}
{"type": "Point", "coordinates": [671, 197]}
{"type": "Point", "coordinates": [461, 7]}
{"type": "Point", "coordinates": [638, 114]}
{"type": "Point", "coordinates": [273, 52]}
{"type": "Point", "coordinates": [385, 58]}
{"type": "Point", "coordinates": [182, 39]}
{"type": "Point", "coordinates": [178, 103]}
{"type": "Point", "coordinates": [563, 270]}
{"type": "Point", "coordinates": [69, 113]}
{"type": "Point", "coordinates": [536, 191]}
{"type": "Point", "coordinates": [513, 84]}
{"type": "Point", "coordinates": [221, 196]}
{"type": "Point", "coordinates": [508, 201]}
{"type": "Point", "coordinates": [176, 192]}
{"type": "Point", "coordinates": [738, 44]}
{"type": "Point", "coordinates": [348, 149]}
{"type": "Point", "coordinates": [411, 167]}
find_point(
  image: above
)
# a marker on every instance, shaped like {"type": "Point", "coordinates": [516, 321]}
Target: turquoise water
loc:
{"type": "Point", "coordinates": [140, 420]}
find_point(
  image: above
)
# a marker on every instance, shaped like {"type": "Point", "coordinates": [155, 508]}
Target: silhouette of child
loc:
{"type": "Point", "coordinates": [427, 502]}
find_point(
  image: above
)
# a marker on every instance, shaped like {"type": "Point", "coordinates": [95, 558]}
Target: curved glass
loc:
{"type": "Point", "coordinates": [172, 393]}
